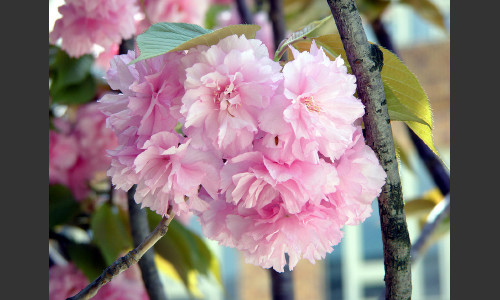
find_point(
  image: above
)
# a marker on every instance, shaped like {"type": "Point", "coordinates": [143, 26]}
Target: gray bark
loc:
{"type": "Point", "coordinates": [366, 62]}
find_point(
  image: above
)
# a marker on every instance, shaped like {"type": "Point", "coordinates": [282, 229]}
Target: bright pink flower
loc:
{"type": "Point", "coordinates": [361, 180]}
{"type": "Point", "coordinates": [265, 235]}
{"type": "Point", "coordinates": [322, 106]}
{"type": "Point", "coordinates": [63, 153]}
{"type": "Point", "coordinates": [227, 86]}
{"type": "Point", "coordinates": [66, 281]}
{"type": "Point", "coordinates": [168, 172]}
{"type": "Point", "coordinates": [86, 23]}
{"type": "Point", "coordinates": [174, 11]}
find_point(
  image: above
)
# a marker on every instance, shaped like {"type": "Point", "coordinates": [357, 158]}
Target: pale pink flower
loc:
{"type": "Point", "coordinates": [254, 181]}
{"type": "Point", "coordinates": [173, 11]}
{"type": "Point", "coordinates": [361, 180]}
{"type": "Point", "coordinates": [265, 33]}
{"type": "Point", "coordinates": [322, 106]}
{"type": "Point", "coordinates": [169, 171]}
{"type": "Point", "coordinates": [77, 151]}
{"type": "Point", "coordinates": [105, 57]}
{"type": "Point", "coordinates": [265, 235]}
{"type": "Point", "coordinates": [66, 281]}
{"type": "Point", "coordinates": [85, 23]}
{"type": "Point", "coordinates": [227, 86]}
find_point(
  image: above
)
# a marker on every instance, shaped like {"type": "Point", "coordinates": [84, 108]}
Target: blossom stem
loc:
{"type": "Point", "coordinates": [366, 62]}
{"type": "Point", "coordinates": [140, 229]}
{"type": "Point", "coordinates": [124, 262]}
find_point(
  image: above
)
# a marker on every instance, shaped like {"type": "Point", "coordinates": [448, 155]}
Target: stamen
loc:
{"type": "Point", "coordinates": [310, 104]}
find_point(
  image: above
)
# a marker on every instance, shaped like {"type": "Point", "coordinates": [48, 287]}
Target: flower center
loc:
{"type": "Point", "coordinates": [222, 97]}
{"type": "Point", "coordinates": [310, 104]}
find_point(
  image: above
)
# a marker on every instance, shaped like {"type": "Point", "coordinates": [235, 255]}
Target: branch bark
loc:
{"type": "Point", "coordinates": [140, 229]}
{"type": "Point", "coordinates": [126, 261]}
{"type": "Point", "coordinates": [366, 63]}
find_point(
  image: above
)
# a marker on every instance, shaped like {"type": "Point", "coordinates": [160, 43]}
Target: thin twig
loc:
{"type": "Point", "coordinates": [366, 62]}
{"type": "Point", "coordinates": [437, 215]}
{"type": "Point", "coordinates": [140, 229]}
{"type": "Point", "coordinates": [124, 262]}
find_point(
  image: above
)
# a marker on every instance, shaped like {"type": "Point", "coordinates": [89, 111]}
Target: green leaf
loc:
{"type": "Point", "coordinates": [164, 37]}
{"type": "Point", "coordinates": [406, 99]}
{"type": "Point", "coordinates": [62, 206]}
{"type": "Point", "coordinates": [428, 11]}
{"type": "Point", "coordinates": [87, 258]}
{"type": "Point", "coordinates": [79, 93]}
{"type": "Point", "coordinates": [110, 232]}
{"type": "Point", "coordinates": [372, 9]}
{"type": "Point", "coordinates": [297, 35]}
{"type": "Point", "coordinates": [185, 250]}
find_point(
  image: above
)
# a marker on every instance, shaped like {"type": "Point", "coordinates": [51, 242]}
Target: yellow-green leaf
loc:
{"type": "Point", "coordinates": [165, 37]}
{"type": "Point", "coordinates": [428, 11]}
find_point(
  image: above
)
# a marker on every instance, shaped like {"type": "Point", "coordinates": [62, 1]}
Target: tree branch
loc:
{"type": "Point", "coordinates": [366, 62]}
{"type": "Point", "coordinates": [126, 261]}
{"type": "Point", "coordinates": [140, 229]}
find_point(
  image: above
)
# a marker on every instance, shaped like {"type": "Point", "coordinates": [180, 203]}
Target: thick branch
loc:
{"type": "Point", "coordinates": [140, 229]}
{"type": "Point", "coordinates": [366, 62]}
{"type": "Point", "coordinates": [126, 261]}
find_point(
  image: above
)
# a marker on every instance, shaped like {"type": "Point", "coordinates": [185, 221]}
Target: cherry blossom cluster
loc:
{"type": "Point", "coordinates": [272, 159]}
{"type": "Point", "coordinates": [77, 150]}
{"type": "Point", "coordinates": [85, 24]}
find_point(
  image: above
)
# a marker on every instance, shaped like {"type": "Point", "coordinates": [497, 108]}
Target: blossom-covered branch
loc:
{"type": "Point", "coordinates": [124, 262]}
{"type": "Point", "coordinates": [366, 62]}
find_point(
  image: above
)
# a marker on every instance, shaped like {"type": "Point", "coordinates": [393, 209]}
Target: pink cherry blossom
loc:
{"type": "Point", "coordinates": [168, 172]}
{"type": "Point", "coordinates": [361, 180]}
{"type": "Point", "coordinates": [254, 181]}
{"type": "Point", "coordinates": [77, 151]}
{"type": "Point", "coordinates": [174, 11]}
{"type": "Point", "coordinates": [322, 106]}
{"type": "Point", "coordinates": [85, 23]}
{"type": "Point", "coordinates": [265, 235]}
{"type": "Point", "coordinates": [227, 86]}
{"type": "Point", "coordinates": [149, 102]}
{"type": "Point", "coordinates": [66, 281]}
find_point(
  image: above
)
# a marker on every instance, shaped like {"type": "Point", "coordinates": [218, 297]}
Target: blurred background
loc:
{"type": "Point", "coordinates": [354, 270]}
